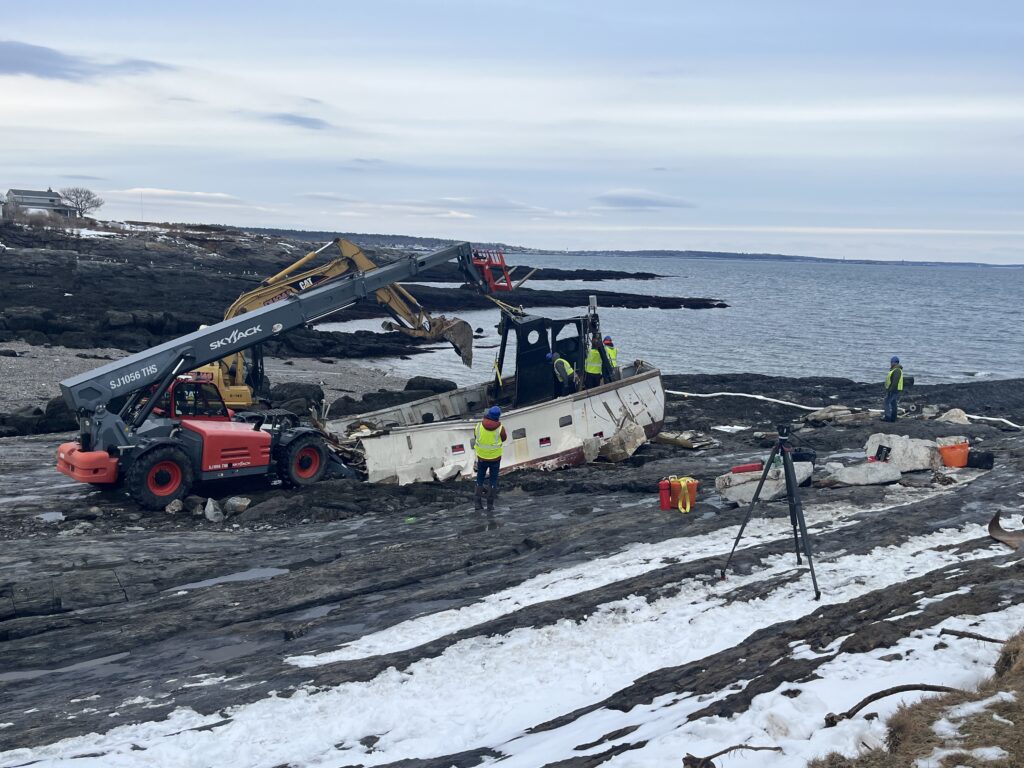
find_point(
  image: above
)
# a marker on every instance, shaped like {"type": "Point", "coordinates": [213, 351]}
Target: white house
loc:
{"type": "Point", "coordinates": [31, 201]}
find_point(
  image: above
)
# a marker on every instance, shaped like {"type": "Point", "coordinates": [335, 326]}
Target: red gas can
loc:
{"type": "Point", "coordinates": [664, 495]}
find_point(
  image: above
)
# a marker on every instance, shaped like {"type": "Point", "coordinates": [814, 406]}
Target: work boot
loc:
{"type": "Point", "coordinates": [492, 494]}
{"type": "Point", "coordinates": [478, 500]}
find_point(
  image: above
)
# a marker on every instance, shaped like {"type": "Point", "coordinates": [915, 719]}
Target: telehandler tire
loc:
{"type": "Point", "coordinates": [159, 476]}
{"type": "Point", "coordinates": [303, 461]}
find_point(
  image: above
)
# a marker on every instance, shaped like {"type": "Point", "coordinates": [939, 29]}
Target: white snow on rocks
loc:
{"type": "Point", "coordinates": [487, 691]}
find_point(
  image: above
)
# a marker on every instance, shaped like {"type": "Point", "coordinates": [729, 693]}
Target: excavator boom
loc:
{"type": "Point", "coordinates": [411, 318]}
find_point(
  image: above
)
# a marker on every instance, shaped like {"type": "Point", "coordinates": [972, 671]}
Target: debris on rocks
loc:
{"type": "Point", "coordinates": [839, 415]}
{"type": "Point", "coordinates": [740, 486]}
{"type": "Point", "coordinates": [907, 453]}
{"type": "Point", "coordinates": [868, 473]}
{"type": "Point", "coordinates": [689, 439]}
{"type": "Point", "coordinates": [624, 442]}
{"type": "Point", "coordinates": [174, 507]}
{"type": "Point", "coordinates": [954, 416]}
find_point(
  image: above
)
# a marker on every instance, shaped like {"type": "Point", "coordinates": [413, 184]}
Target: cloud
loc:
{"type": "Point", "coordinates": [638, 200]}
{"type": "Point", "coordinates": [325, 196]}
{"type": "Point", "coordinates": [17, 58]}
{"type": "Point", "coordinates": [297, 120]}
{"type": "Point", "coordinates": [82, 177]}
{"type": "Point", "coordinates": [178, 194]}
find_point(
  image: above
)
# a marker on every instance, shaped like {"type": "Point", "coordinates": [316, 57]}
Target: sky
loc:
{"type": "Point", "coordinates": [842, 129]}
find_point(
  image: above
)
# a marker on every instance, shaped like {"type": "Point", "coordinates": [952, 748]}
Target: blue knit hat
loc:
{"type": "Point", "coordinates": [494, 412]}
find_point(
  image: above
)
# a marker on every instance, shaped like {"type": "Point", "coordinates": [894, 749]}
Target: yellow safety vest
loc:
{"type": "Point", "coordinates": [488, 442]}
{"type": "Point", "coordinates": [613, 356]}
{"type": "Point", "coordinates": [593, 363]}
{"type": "Point", "coordinates": [899, 382]}
{"type": "Point", "coordinates": [567, 370]}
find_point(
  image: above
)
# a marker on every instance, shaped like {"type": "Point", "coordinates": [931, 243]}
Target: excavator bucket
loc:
{"type": "Point", "coordinates": [456, 332]}
{"type": "Point", "coordinates": [459, 334]}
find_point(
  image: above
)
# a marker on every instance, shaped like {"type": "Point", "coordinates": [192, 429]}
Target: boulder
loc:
{"type": "Point", "coordinates": [35, 338]}
{"type": "Point", "coordinates": [294, 390]}
{"type": "Point", "coordinates": [8, 353]}
{"type": "Point", "coordinates": [213, 512]}
{"type": "Point", "coordinates": [76, 340]}
{"type": "Point", "coordinates": [740, 487]}
{"type": "Point", "coordinates": [236, 504]}
{"type": "Point", "coordinates": [907, 453]}
{"type": "Point", "coordinates": [868, 473]}
{"type": "Point", "coordinates": [117, 319]}
{"type": "Point", "coordinates": [954, 416]}
{"type": "Point", "coordinates": [437, 386]}
{"type": "Point", "coordinates": [272, 507]}
{"type": "Point", "coordinates": [57, 417]}
{"type": "Point", "coordinates": [174, 507]}
{"type": "Point", "coordinates": [299, 406]}
{"type": "Point", "coordinates": [28, 319]}
{"type": "Point", "coordinates": [195, 505]}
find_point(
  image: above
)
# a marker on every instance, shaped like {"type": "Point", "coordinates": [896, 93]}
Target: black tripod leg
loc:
{"type": "Point", "coordinates": [750, 509]}
{"type": "Point", "coordinates": [792, 497]}
{"type": "Point", "coordinates": [796, 513]}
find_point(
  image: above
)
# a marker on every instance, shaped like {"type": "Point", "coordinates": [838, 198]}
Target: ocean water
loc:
{"type": "Point", "coordinates": [946, 324]}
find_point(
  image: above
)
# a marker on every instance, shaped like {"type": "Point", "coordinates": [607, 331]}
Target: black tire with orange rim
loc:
{"type": "Point", "coordinates": [303, 461]}
{"type": "Point", "coordinates": [159, 476]}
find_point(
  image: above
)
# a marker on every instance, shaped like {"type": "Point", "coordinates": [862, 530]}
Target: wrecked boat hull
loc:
{"type": "Point", "coordinates": [430, 439]}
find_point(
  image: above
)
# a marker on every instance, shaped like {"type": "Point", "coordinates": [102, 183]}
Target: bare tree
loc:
{"type": "Point", "coordinates": [83, 201]}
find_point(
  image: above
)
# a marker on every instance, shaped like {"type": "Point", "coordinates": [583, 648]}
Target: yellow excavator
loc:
{"type": "Point", "coordinates": [241, 378]}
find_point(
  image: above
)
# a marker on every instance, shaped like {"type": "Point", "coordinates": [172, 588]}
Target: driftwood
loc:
{"type": "Point", "coordinates": [1009, 538]}
{"type": "Point", "coordinates": [970, 636]}
{"type": "Point", "coordinates": [691, 761]}
{"type": "Point", "coordinates": [832, 720]}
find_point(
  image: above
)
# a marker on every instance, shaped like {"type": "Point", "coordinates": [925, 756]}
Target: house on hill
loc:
{"type": "Point", "coordinates": [33, 201]}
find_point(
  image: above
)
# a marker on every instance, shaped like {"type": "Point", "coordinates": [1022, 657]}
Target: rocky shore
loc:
{"type": "Point", "coordinates": [131, 290]}
{"type": "Point", "coordinates": [109, 612]}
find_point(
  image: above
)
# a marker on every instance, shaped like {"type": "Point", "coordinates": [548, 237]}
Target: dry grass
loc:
{"type": "Point", "coordinates": [911, 735]}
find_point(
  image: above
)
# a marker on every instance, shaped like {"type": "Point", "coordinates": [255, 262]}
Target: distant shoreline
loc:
{"type": "Point", "coordinates": [412, 241]}
{"type": "Point", "coordinates": [727, 256]}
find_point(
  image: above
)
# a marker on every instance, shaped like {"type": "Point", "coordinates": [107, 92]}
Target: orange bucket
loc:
{"type": "Point", "coordinates": [954, 455]}
{"type": "Point", "coordinates": [681, 499]}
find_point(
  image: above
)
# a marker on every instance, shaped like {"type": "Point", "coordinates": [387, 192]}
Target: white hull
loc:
{"type": "Point", "coordinates": [561, 432]}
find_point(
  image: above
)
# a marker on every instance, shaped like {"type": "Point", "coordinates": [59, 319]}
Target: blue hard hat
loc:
{"type": "Point", "coordinates": [549, 356]}
{"type": "Point", "coordinates": [607, 338]}
{"type": "Point", "coordinates": [494, 412]}
{"type": "Point", "coordinates": [894, 359]}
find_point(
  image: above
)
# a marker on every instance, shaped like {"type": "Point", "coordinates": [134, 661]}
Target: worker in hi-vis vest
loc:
{"type": "Point", "coordinates": [593, 364]}
{"type": "Point", "coordinates": [613, 356]}
{"type": "Point", "coordinates": [487, 439]}
{"type": "Point", "coordinates": [565, 376]}
{"type": "Point", "coordinates": [893, 389]}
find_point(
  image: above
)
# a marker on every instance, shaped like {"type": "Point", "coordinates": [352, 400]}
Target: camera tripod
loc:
{"type": "Point", "coordinates": [796, 510]}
